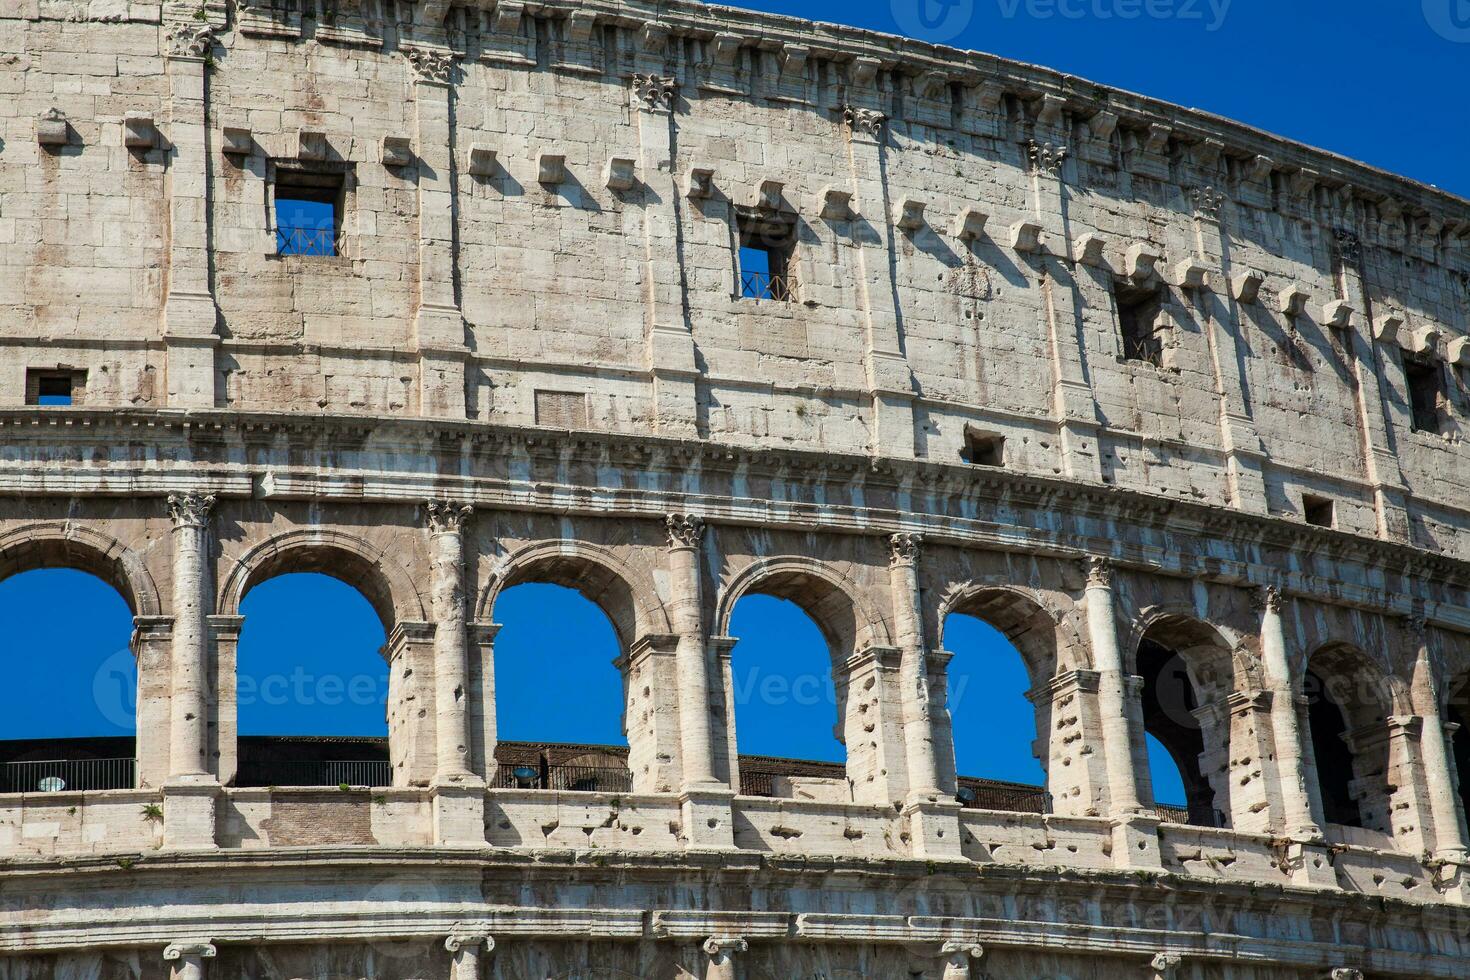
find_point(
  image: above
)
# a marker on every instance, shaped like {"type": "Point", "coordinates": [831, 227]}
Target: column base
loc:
{"type": "Point", "coordinates": [1136, 842]}
{"type": "Point", "coordinates": [934, 828]}
{"type": "Point", "coordinates": [1309, 863]}
{"type": "Point", "coordinates": [1452, 877]}
{"type": "Point", "coordinates": [706, 818]}
{"type": "Point", "coordinates": [189, 809]}
{"type": "Point", "coordinates": [459, 812]}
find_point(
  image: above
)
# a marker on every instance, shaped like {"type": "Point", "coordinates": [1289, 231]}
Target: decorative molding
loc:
{"type": "Point", "coordinates": [1207, 202]}
{"type": "Point", "coordinates": [433, 66]}
{"type": "Point", "coordinates": [1268, 599]}
{"type": "Point", "coordinates": [655, 91]}
{"type": "Point", "coordinates": [685, 530]}
{"type": "Point", "coordinates": [864, 122]}
{"type": "Point", "coordinates": [904, 547]}
{"type": "Point", "coordinates": [1045, 157]}
{"type": "Point", "coordinates": [447, 516]}
{"type": "Point", "coordinates": [189, 40]}
{"type": "Point", "coordinates": [1099, 571]}
{"type": "Point", "coordinates": [190, 509]}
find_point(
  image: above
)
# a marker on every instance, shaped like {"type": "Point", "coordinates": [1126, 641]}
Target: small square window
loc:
{"type": "Point", "coordinates": [308, 211]}
{"type": "Point", "coordinates": [1318, 510]}
{"type": "Point", "coordinates": [54, 387]}
{"type": "Point", "coordinates": [1426, 391]}
{"type": "Point", "coordinates": [1138, 316]}
{"type": "Point", "coordinates": [984, 448]}
{"type": "Point", "coordinates": [767, 247]}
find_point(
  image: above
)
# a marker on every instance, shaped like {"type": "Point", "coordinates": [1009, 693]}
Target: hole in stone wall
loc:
{"type": "Point", "coordinates": [1426, 392]}
{"type": "Point", "coordinates": [60, 386]}
{"type": "Point", "coordinates": [1318, 510]}
{"type": "Point", "coordinates": [1138, 322]}
{"type": "Point", "coordinates": [983, 448]}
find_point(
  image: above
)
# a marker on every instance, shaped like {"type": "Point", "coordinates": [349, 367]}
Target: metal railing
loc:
{"type": "Point", "coordinates": [765, 285]}
{"type": "Point", "coordinates": [316, 772]}
{"type": "Point", "coordinates": [582, 779]}
{"type": "Point", "coordinates": [979, 794]}
{"type": "Point", "coordinates": [307, 240]}
{"type": "Point", "coordinates": [58, 775]}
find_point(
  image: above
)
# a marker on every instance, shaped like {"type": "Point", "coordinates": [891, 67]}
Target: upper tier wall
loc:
{"type": "Point", "coordinates": [962, 225]}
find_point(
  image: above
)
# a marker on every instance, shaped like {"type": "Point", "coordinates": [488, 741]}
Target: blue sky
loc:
{"type": "Point", "coordinates": [1382, 82]}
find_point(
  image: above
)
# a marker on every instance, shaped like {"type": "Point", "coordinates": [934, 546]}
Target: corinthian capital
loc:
{"type": "Point", "coordinates": [446, 516]}
{"type": "Point", "coordinates": [903, 548]}
{"type": "Point", "coordinates": [190, 509]}
{"type": "Point", "coordinates": [655, 91]}
{"type": "Point", "coordinates": [685, 530]}
{"type": "Point", "coordinates": [863, 122]}
{"type": "Point", "coordinates": [189, 39]}
{"type": "Point", "coordinates": [1268, 599]}
{"type": "Point", "coordinates": [1099, 571]}
{"type": "Point", "coordinates": [430, 64]}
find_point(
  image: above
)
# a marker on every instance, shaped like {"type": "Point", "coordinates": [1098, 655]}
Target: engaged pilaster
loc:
{"type": "Point", "coordinates": [918, 721]}
{"type": "Point", "coordinates": [189, 308]}
{"type": "Point", "coordinates": [189, 696]}
{"type": "Point", "coordinates": [1444, 807]}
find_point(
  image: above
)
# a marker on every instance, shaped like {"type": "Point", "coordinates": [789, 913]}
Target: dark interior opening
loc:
{"type": "Point", "coordinates": [1138, 313]}
{"type": "Point", "coordinates": [1169, 701]}
{"type": "Point", "coordinates": [1334, 758]}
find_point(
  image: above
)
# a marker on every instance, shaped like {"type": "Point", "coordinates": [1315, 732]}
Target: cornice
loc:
{"type": "Point", "coordinates": [206, 449]}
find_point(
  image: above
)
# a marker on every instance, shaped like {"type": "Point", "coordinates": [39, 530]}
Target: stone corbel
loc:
{"type": "Point", "coordinates": [1388, 328]}
{"type": "Point", "coordinates": [52, 129]}
{"type": "Point", "coordinates": [1338, 313]}
{"type": "Point", "coordinates": [1206, 155]}
{"type": "Point", "coordinates": [969, 224]}
{"type": "Point", "coordinates": [311, 146]}
{"type": "Point", "coordinates": [1191, 274]}
{"type": "Point", "coordinates": [139, 132]}
{"type": "Point", "coordinates": [1261, 167]}
{"type": "Point", "coordinates": [481, 160]}
{"type": "Point", "coordinates": [1050, 111]}
{"type": "Point", "coordinates": [1140, 261]}
{"type": "Point", "coordinates": [863, 71]}
{"type": "Point", "coordinates": [909, 214]}
{"type": "Point", "coordinates": [1421, 340]}
{"type": "Point", "coordinates": [699, 183]}
{"type": "Point", "coordinates": [1091, 249]}
{"type": "Point", "coordinates": [931, 85]}
{"type": "Point", "coordinates": [835, 204]}
{"type": "Point", "coordinates": [1246, 286]}
{"type": "Point", "coordinates": [505, 43]}
{"type": "Point", "coordinates": [237, 142]}
{"type": "Point", "coordinates": [769, 196]}
{"type": "Point", "coordinates": [793, 58]}
{"type": "Point", "coordinates": [1458, 352]}
{"type": "Point", "coordinates": [397, 151]}
{"type": "Point", "coordinates": [551, 169]}
{"type": "Point", "coordinates": [1292, 300]}
{"type": "Point", "coordinates": [724, 49]}
{"type": "Point", "coordinates": [1026, 237]}
{"type": "Point", "coordinates": [1102, 125]}
{"type": "Point", "coordinates": [1157, 139]}
{"type": "Point", "coordinates": [620, 173]}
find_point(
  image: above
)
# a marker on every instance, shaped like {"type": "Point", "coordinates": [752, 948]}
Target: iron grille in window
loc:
{"type": "Point", "coordinates": [308, 211]}
{"type": "Point", "coordinates": [767, 247]}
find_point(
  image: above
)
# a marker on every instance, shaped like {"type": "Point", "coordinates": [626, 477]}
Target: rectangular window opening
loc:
{"type": "Point", "coordinates": [54, 387]}
{"type": "Point", "coordinates": [767, 249]}
{"type": "Point", "coordinates": [1318, 510]}
{"type": "Point", "coordinates": [984, 448]}
{"type": "Point", "coordinates": [308, 211]}
{"type": "Point", "coordinates": [1426, 391]}
{"type": "Point", "coordinates": [1138, 318]}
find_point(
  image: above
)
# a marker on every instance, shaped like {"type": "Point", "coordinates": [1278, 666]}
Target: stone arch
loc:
{"type": "Point", "coordinates": [1046, 646]}
{"type": "Point", "coordinates": [626, 594]}
{"type": "Point", "coordinates": [62, 544]}
{"type": "Point", "coordinates": [847, 618]}
{"type": "Point", "coordinates": [1351, 698]}
{"type": "Point", "coordinates": [382, 580]}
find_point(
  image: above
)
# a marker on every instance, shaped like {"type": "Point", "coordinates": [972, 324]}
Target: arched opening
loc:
{"type": "Point", "coordinates": [1348, 704]}
{"type": "Point", "coordinates": [1457, 713]}
{"type": "Point", "coordinates": [1187, 676]}
{"type": "Point", "coordinates": [68, 714]}
{"type": "Point", "coordinates": [311, 685]}
{"type": "Point", "coordinates": [1004, 654]}
{"type": "Point", "coordinates": [559, 693]}
{"type": "Point", "coordinates": [806, 692]}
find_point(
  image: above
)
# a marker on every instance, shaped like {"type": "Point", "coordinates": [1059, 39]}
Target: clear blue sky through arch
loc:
{"type": "Point", "coordinates": [1379, 82]}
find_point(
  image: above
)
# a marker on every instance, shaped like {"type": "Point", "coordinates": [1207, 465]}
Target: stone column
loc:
{"type": "Point", "coordinates": [958, 954]}
{"type": "Point", "coordinates": [410, 655]}
{"type": "Point", "coordinates": [188, 308]}
{"type": "Point", "coordinates": [917, 711]}
{"type": "Point", "coordinates": [1301, 823]}
{"type": "Point", "coordinates": [189, 695]}
{"type": "Point", "coordinates": [438, 322]}
{"type": "Point", "coordinates": [186, 959]}
{"type": "Point", "coordinates": [1444, 805]}
{"type": "Point", "coordinates": [224, 633]}
{"type": "Point", "coordinates": [451, 674]}
{"type": "Point", "coordinates": [482, 718]}
{"type": "Point", "coordinates": [1107, 660]}
{"type": "Point", "coordinates": [721, 951]}
{"type": "Point", "coordinates": [151, 643]}
{"type": "Point", "coordinates": [458, 794]}
{"type": "Point", "coordinates": [692, 664]}
{"type": "Point", "coordinates": [468, 953]}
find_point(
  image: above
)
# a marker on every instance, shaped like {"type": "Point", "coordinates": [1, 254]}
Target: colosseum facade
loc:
{"type": "Point", "coordinates": [1122, 379]}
